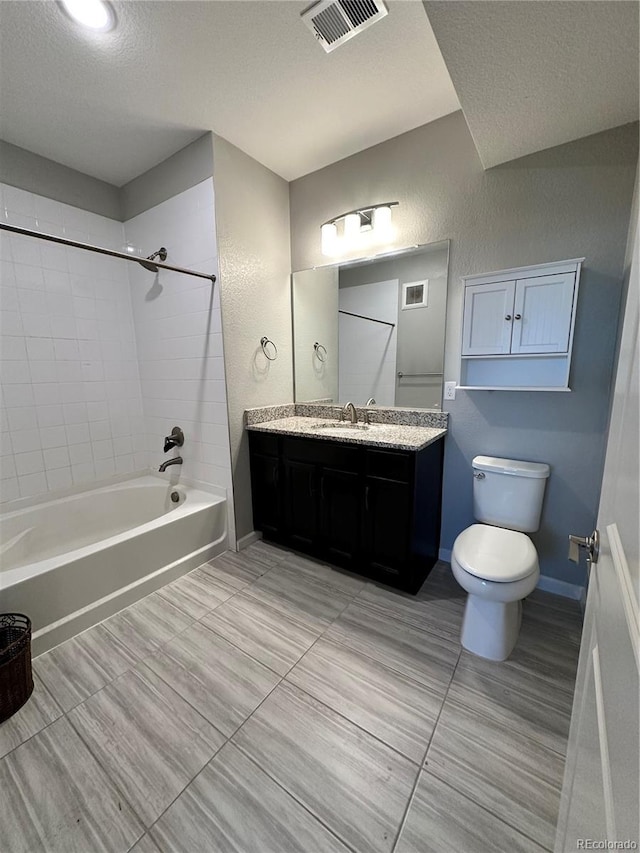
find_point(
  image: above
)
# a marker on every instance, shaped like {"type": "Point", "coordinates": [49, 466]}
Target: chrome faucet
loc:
{"type": "Point", "coordinates": [350, 410]}
{"type": "Point", "coordinates": [371, 401]}
{"type": "Point", "coordinates": [175, 460]}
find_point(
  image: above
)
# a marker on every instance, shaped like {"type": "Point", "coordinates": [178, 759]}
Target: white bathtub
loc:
{"type": "Point", "coordinates": [71, 562]}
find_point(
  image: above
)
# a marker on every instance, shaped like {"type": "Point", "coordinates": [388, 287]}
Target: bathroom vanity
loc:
{"type": "Point", "coordinates": [368, 501]}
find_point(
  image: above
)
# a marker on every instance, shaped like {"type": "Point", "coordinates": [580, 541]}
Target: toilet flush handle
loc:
{"type": "Point", "coordinates": [479, 475]}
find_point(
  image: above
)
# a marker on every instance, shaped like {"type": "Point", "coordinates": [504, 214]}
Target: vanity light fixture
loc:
{"type": "Point", "coordinates": [96, 15]}
{"type": "Point", "coordinates": [374, 220]}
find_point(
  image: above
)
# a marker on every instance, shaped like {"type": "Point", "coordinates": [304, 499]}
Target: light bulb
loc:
{"type": "Point", "coordinates": [329, 233]}
{"type": "Point", "coordinates": [382, 222]}
{"type": "Point", "coordinates": [351, 226]}
{"type": "Point", "coordinates": [94, 14]}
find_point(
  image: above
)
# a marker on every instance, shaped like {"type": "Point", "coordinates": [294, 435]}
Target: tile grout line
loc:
{"type": "Point", "coordinates": [246, 754]}
{"type": "Point", "coordinates": [106, 770]}
{"type": "Point", "coordinates": [227, 738]}
{"type": "Point", "coordinates": [64, 713]}
{"type": "Point", "coordinates": [353, 598]}
{"type": "Point", "coordinates": [423, 769]}
{"type": "Point", "coordinates": [424, 758]}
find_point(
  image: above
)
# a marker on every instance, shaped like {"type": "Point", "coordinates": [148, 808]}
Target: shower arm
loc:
{"type": "Point", "coordinates": [147, 263]}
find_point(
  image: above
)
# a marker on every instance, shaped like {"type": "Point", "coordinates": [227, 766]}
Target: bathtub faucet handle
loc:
{"type": "Point", "coordinates": [176, 439]}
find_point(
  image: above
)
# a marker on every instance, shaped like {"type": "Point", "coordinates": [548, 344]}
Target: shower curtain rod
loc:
{"type": "Point", "coordinates": [364, 317]}
{"type": "Point", "coordinates": [145, 262]}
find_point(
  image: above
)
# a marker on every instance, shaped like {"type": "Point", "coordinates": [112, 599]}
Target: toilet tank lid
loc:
{"type": "Point", "coordinates": [537, 470]}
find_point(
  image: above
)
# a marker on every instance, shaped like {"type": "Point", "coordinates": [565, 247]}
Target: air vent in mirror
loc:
{"type": "Point", "coordinates": [335, 21]}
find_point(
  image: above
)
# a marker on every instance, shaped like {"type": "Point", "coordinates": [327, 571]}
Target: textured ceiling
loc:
{"type": "Point", "coordinates": [115, 104]}
{"type": "Point", "coordinates": [531, 75]}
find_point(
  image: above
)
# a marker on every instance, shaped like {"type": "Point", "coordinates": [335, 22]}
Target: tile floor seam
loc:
{"type": "Point", "coordinates": [489, 811]}
{"type": "Point", "coordinates": [341, 642]}
{"type": "Point", "coordinates": [424, 758]}
{"type": "Point", "coordinates": [105, 770]}
{"type": "Point", "coordinates": [293, 797]}
{"type": "Point", "coordinates": [95, 692]}
{"type": "Point", "coordinates": [31, 737]}
{"type": "Point", "coordinates": [177, 606]}
{"type": "Point", "coordinates": [497, 817]}
{"type": "Point", "coordinates": [466, 796]}
{"type": "Point", "coordinates": [351, 598]}
{"type": "Point", "coordinates": [112, 680]}
{"type": "Point", "coordinates": [368, 606]}
{"type": "Point", "coordinates": [331, 710]}
{"type": "Point", "coordinates": [115, 783]}
{"type": "Point", "coordinates": [510, 727]}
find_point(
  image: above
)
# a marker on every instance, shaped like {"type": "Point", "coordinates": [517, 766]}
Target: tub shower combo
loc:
{"type": "Point", "coordinates": [71, 559]}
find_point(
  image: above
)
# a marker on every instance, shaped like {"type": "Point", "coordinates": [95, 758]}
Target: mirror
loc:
{"type": "Point", "coordinates": [372, 328]}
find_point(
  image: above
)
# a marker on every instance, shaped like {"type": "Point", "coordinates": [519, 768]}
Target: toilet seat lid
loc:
{"type": "Point", "coordinates": [495, 554]}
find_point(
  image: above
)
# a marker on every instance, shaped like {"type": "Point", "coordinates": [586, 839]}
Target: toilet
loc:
{"type": "Point", "coordinates": [495, 561]}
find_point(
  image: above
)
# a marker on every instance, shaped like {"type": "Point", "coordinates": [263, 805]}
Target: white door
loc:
{"type": "Point", "coordinates": [600, 795]}
{"type": "Point", "coordinates": [542, 314]}
{"type": "Point", "coordinates": [488, 318]}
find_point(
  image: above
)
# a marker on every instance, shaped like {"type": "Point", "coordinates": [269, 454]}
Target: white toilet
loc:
{"type": "Point", "coordinates": [495, 562]}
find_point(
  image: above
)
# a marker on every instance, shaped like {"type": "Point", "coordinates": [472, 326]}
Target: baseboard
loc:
{"type": "Point", "coordinates": [583, 600]}
{"type": "Point", "coordinates": [444, 554]}
{"type": "Point", "coordinates": [558, 587]}
{"type": "Point", "coordinates": [249, 539]}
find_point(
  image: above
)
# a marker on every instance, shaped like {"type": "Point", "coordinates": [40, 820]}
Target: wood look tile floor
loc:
{"type": "Point", "coordinates": [266, 703]}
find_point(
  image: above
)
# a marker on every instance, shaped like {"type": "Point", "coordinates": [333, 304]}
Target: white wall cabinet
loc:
{"type": "Point", "coordinates": [488, 318]}
{"type": "Point", "coordinates": [517, 327]}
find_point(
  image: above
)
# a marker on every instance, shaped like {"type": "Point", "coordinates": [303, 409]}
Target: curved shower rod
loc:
{"type": "Point", "coordinates": [148, 263]}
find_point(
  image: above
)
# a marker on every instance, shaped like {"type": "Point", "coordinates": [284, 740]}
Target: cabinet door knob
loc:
{"type": "Point", "coordinates": [518, 317]}
{"type": "Point", "coordinates": [508, 317]}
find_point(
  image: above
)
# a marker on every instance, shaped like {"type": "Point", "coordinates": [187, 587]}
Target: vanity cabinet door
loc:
{"type": "Point", "coordinates": [488, 318]}
{"type": "Point", "coordinates": [301, 503]}
{"type": "Point", "coordinates": [340, 515]}
{"type": "Point", "coordinates": [388, 510]}
{"type": "Point", "coordinates": [265, 491]}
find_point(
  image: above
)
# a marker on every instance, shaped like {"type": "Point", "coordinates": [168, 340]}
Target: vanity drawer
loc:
{"type": "Point", "coordinates": [391, 465]}
{"type": "Point", "coordinates": [322, 452]}
{"type": "Point", "coordinates": [264, 443]}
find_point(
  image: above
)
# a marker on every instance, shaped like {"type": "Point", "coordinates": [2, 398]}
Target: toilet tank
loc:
{"type": "Point", "coordinates": [508, 493]}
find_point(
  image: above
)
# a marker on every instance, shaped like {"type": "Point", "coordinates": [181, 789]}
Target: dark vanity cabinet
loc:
{"type": "Point", "coordinates": [368, 509]}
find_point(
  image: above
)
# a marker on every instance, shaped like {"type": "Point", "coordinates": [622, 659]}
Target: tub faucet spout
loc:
{"type": "Point", "coordinates": [176, 460]}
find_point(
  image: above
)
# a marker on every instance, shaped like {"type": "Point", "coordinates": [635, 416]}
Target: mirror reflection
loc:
{"type": "Point", "coordinates": [372, 329]}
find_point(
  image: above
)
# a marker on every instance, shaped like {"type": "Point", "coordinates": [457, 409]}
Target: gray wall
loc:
{"type": "Point", "coordinates": [184, 169]}
{"type": "Point", "coordinates": [28, 171]}
{"type": "Point", "coordinates": [252, 220]}
{"type": "Point", "coordinates": [565, 202]}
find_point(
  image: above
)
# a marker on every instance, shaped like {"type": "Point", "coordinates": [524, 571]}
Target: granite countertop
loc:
{"type": "Point", "coordinates": [397, 436]}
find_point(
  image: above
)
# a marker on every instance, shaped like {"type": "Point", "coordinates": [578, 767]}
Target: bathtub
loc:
{"type": "Point", "coordinates": [71, 562]}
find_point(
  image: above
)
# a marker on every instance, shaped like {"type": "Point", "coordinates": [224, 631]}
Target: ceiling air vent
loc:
{"type": "Point", "coordinates": [335, 21]}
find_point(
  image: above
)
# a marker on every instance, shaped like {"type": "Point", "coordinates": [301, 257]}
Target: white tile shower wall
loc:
{"type": "Point", "coordinates": [178, 331]}
{"type": "Point", "coordinates": [70, 392]}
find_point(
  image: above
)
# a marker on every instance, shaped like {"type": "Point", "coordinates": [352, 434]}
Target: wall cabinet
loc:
{"type": "Point", "coordinates": [371, 510]}
{"type": "Point", "coordinates": [517, 327]}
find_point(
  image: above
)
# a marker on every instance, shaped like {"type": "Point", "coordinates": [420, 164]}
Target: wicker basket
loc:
{"type": "Point", "coordinates": [16, 681]}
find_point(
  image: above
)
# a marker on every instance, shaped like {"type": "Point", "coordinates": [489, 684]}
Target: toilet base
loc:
{"type": "Point", "coordinates": [490, 628]}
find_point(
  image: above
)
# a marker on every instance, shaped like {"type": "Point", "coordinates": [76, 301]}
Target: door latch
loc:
{"type": "Point", "coordinates": [590, 544]}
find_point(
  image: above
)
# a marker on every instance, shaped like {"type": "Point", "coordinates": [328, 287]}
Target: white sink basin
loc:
{"type": "Point", "coordinates": [342, 428]}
